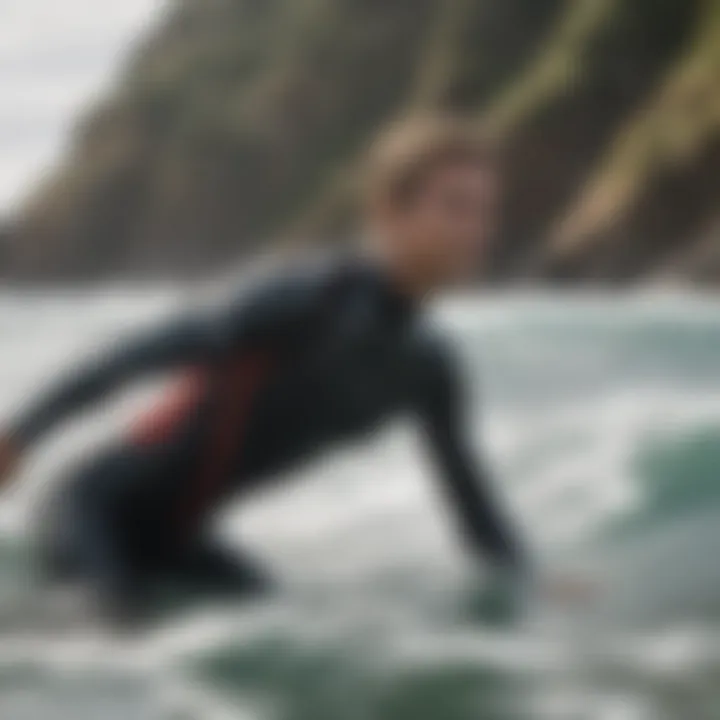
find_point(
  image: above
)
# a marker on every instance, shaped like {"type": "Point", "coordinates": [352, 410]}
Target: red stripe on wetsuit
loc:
{"type": "Point", "coordinates": [159, 424]}
{"type": "Point", "coordinates": [236, 387]}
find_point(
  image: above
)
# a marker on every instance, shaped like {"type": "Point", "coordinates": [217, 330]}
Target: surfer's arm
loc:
{"type": "Point", "coordinates": [265, 315]}
{"type": "Point", "coordinates": [465, 477]}
{"type": "Point", "coordinates": [177, 342]}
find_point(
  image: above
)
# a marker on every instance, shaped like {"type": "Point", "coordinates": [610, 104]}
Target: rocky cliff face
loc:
{"type": "Point", "coordinates": [239, 123]}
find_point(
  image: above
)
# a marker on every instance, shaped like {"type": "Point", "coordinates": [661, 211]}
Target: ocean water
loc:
{"type": "Point", "coordinates": [601, 415]}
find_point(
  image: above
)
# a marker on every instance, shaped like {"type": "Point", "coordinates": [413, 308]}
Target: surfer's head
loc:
{"type": "Point", "coordinates": [431, 198]}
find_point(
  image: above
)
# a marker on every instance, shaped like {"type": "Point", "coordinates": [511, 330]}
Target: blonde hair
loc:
{"type": "Point", "coordinates": [410, 151]}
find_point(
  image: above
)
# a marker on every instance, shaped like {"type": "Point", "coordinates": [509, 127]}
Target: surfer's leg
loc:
{"type": "Point", "coordinates": [82, 554]}
{"type": "Point", "coordinates": [209, 568]}
{"type": "Point", "coordinates": [78, 546]}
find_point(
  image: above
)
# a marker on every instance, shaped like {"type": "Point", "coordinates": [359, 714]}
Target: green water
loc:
{"type": "Point", "coordinates": [601, 416]}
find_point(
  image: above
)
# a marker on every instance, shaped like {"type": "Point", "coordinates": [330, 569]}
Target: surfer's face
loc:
{"type": "Point", "coordinates": [443, 232]}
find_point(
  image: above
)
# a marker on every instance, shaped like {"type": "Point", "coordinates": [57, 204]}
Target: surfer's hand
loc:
{"type": "Point", "coordinates": [10, 455]}
{"type": "Point", "coordinates": [499, 597]}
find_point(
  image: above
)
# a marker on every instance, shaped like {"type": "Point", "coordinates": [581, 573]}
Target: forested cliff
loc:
{"type": "Point", "coordinates": [238, 124]}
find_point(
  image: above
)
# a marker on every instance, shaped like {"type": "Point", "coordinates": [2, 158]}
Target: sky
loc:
{"type": "Point", "coordinates": [55, 56]}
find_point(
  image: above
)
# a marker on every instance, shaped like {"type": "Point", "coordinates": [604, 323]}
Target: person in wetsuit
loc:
{"type": "Point", "coordinates": [310, 357]}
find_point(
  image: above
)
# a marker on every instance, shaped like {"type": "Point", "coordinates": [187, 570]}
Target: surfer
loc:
{"type": "Point", "coordinates": [308, 358]}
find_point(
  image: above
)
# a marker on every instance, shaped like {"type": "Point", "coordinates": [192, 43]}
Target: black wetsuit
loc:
{"type": "Point", "coordinates": [303, 361]}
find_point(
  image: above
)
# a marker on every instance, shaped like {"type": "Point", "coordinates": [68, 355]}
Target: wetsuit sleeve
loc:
{"type": "Point", "coordinates": [464, 475]}
{"type": "Point", "coordinates": [184, 340]}
{"type": "Point", "coordinates": [270, 313]}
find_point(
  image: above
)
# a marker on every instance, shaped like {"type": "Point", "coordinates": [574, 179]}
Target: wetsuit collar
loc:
{"type": "Point", "coordinates": [396, 304]}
